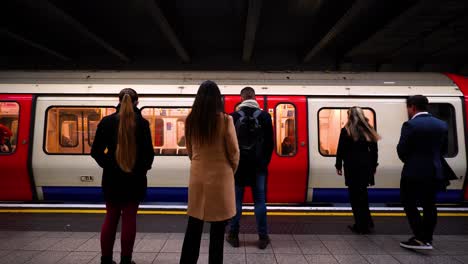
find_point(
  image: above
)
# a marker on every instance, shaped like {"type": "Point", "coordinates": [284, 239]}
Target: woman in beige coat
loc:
{"type": "Point", "coordinates": [213, 149]}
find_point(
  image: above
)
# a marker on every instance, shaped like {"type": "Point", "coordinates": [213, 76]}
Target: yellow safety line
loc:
{"type": "Point", "coordinates": [161, 212]}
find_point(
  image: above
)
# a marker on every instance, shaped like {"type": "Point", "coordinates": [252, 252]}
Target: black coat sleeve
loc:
{"type": "Point", "coordinates": [374, 151]}
{"type": "Point", "coordinates": [147, 146]}
{"type": "Point", "coordinates": [404, 145]}
{"type": "Point", "coordinates": [268, 134]}
{"type": "Point", "coordinates": [342, 147]}
{"type": "Point", "coordinates": [100, 145]}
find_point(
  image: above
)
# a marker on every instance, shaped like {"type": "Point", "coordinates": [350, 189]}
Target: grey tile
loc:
{"type": "Point", "coordinates": [28, 234]}
{"type": "Point", "coordinates": [4, 252]}
{"type": "Point", "coordinates": [85, 235]}
{"type": "Point", "coordinates": [8, 234]}
{"type": "Point", "coordinates": [380, 259]}
{"type": "Point", "coordinates": [290, 258]}
{"type": "Point", "coordinates": [285, 247]}
{"type": "Point", "coordinates": [13, 243]}
{"type": "Point", "coordinates": [137, 235]}
{"type": "Point", "coordinates": [355, 238]}
{"type": "Point", "coordinates": [203, 258]}
{"type": "Point", "coordinates": [453, 247]}
{"type": "Point", "coordinates": [204, 246]}
{"type": "Point", "coordinates": [68, 244]}
{"type": "Point", "coordinates": [18, 257]}
{"type": "Point", "coordinates": [330, 237]}
{"type": "Point", "coordinates": [162, 236]}
{"type": "Point", "coordinates": [167, 258]}
{"type": "Point", "coordinates": [276, 237]}
{"type": "Point", "coordinates": [261, 259]}
{"type": "Point", "coordinates": [350, 259]}
{"type": "Point", "coordinates": [92, 244]}
{"type": "Point", "coordinates": [58, 234]}
{"type": "Point", "coordinates": [462, 259]}
{"type": "Point", "coordinates": [234, 259]}
{"type": "Point", "coordinates": [172, 246]}
{"type": "Point", "coordinates": [250, 237]}
{"type": "Point", "coordinates": [144, 258]}
{"type": "Point", "coordinates": [337, 247]}
{"type": "Point", "coordinates": [299, 237]}
{"type": "Point", "coordinates": [42, 243]}
{"type": "Point", "coordinates": [313, 247]}
{"type": "Point", "coordinates": [78, 257]}
{"type": "Point", "coordinates": [149, 245]}
{"type": "Point", "coordinates": [450, 238]}
{"type": "Point", "coordinates": [230, 249]}
{"type": "Point", "coordinates": [367, 247]}
{"type": "Point", "coordinates": [176, 236]}
{"type": "Point", "coordinates": [321, 259]}
{"type": "Point", "coordinates": [420, 259]}
{"type": "Point", "coordinates": [251, 247]}
{"type": "Point", "coordinates": [48, 257]}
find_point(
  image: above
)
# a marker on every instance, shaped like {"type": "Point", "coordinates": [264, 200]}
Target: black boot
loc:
{"type": "Point", "coordinates": [107, 260]}
{"type": "Point", "coordinates": [126, 260]}
{"type": "Point", "coordinates": [233, 239]}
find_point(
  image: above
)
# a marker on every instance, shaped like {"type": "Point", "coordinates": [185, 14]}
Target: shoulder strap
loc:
{"type": "Point", "coordinates": [257, 113]}
{"type": "Point", "coordinates": [241, 113]}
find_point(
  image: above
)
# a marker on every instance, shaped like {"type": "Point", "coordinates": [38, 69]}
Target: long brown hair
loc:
{"type": "Point", "coordinates": [203, 121]}
{"type": "Point", "coordinates": [125, 153]}
{"type": "Point", "coordinates": [358, 126]}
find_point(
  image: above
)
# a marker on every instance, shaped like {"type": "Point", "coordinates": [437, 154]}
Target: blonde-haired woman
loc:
{"type": "Point", "coordinates": [358, 153]}
{"type": "Point", "coordinates": [123, 148]}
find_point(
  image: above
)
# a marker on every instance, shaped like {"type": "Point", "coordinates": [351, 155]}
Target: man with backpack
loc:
{"type": "Point", "coordinates": [254, 131]}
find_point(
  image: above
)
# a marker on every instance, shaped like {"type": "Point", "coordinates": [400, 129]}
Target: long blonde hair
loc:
{"type": "Point", "coordinates": [358, 126]}
{"type": "Point", "coordinates": [125, 153]}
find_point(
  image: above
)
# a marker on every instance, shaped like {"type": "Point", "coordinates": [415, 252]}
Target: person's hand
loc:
{"type": "Point", "coordinates": [339, 172]}
{"type": "Point", "coordinates": [4, 148]}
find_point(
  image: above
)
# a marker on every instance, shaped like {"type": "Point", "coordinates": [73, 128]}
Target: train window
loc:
{"type": "Point", "coordinates": [285, 130]}
{"type": "Point", "coordinates": [446, 112]}
{"type": "Point", "coordinates": [9, 116]}
{"type": "Point", "coordinates": [68, 123]}
{"type": "Point", "coordinates": [71, 130]}
{"type": "Point", "coordinates": [167, 129]}
{"type": "Point", "coordinates": [330, 122]}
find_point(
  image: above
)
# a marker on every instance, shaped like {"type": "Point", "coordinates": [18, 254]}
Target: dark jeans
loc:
{"type": "Point", "coordinates": [193, 234]}
{"type": "Point", "coordinates": [424, 195]}
{"type": "Point", "coordinates": [359, 199]}
{"type": "Point", "coordinates": [109, 228]}
{"type": "Point", "coordinates": [259, 196]}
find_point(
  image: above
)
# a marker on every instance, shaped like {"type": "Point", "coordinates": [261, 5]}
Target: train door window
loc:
{"type": "Point", "coordinates": [167, 129]}
{"type": "Point", "coordinates": [446, 112]}
{"type": "Point", "coordinates": [71, 130]}
{"type": "Point", "coordinates": [68, 123]}
{"type": "Point", "coordinates": [286, 141]}
{"type": "Point", "coordinates": [330, 123]}
{"type": "Point", "coordinates": [9, 116]}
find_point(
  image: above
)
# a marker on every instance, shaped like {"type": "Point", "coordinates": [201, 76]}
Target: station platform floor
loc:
{"type": "Point", "coordinates": [319, 237]}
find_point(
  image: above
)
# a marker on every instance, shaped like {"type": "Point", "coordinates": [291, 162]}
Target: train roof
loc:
{"type": "Point", "coordinates": [186, 83]}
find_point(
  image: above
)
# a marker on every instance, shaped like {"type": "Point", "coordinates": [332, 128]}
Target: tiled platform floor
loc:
{"type": "Point", "coordinates": [38, 247]}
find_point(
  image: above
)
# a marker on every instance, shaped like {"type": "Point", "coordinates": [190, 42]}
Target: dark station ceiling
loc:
{"type": "Point", "coordinates": [274, 35]}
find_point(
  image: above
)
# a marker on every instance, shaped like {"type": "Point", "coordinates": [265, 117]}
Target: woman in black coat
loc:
{"type": "Point", "coordinates": [357, 149]}
{"type": "Point", "coordinates": [123, 148]}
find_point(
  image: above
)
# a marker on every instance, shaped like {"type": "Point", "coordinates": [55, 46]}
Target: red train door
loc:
{"type": "Point", "coordinates": [287, 179]}
{"type": "Point", "coordinates": [15, 117]}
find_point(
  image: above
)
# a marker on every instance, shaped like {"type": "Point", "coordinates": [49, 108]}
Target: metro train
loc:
{"type": "Point", "coordinates": [53, 118]}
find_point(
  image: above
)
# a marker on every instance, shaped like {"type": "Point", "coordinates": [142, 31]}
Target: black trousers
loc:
{"type": "Point", "coordinates": [193, 234]}
{"type": "Point", "coordinates": [359, 199]}
{"type": "Point", "coordinates": [420, 194]}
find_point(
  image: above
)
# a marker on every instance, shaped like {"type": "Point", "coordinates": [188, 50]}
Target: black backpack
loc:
{"type": "Point", "coordinates": [250, 137]}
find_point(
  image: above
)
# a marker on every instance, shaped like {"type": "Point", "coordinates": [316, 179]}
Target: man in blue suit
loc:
{"type": "Point", "coordinates": [423, 142]}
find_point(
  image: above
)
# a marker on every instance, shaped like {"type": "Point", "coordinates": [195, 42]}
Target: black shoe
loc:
{"type": "Point", "coordinates": [263, 242]}
{"type": "Point", "coordinates": [414, 243]}
{"type": "Point", "coordinates": [126, 260]}
{"type": "Point", "coordinates": [358, 231]}
{"type": "Point", "coordinates": [233, 239]}
{"type": "Point", "coordinates": [107, 260]}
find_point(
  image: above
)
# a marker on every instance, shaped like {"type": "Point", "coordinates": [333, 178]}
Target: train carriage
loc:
{"type": "Point", "coordinates": [53, 117]}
